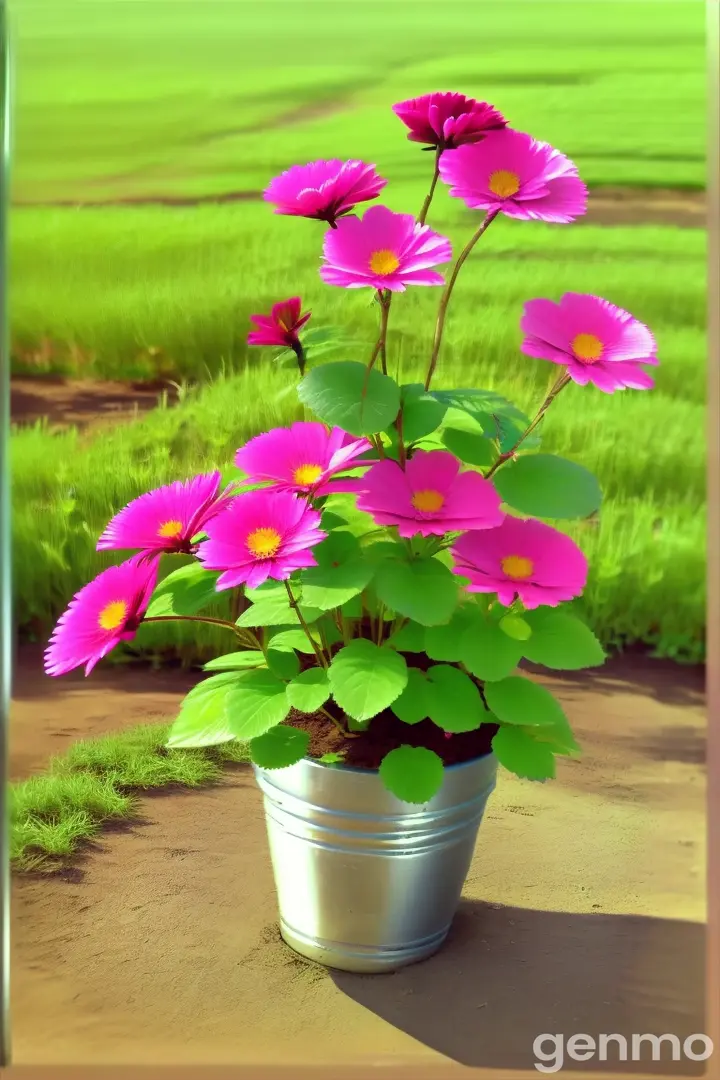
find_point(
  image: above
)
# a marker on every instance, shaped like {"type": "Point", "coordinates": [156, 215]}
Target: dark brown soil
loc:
{"type": "Point", "coordinates": [82, 403]}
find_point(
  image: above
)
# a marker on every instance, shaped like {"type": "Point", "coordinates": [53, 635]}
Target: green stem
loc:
{"type": "Point", "coordinates": [429, 197]}
{"type": "Point", "coordinates": [338, 725]}
{"type": "Point", "coordinates": [447, 293]}
{"type": "Point", "coordinates": [380, 349]}
{"type": "Point", "coordinates": [301, 618]}
{"type": "Point", "coordinates": [238, 631]}
{"type": "Point", "coordinates": [560, 383]}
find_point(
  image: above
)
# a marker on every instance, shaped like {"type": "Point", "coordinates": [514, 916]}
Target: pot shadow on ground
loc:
{"type": "Point", "coordinates": [507, 975]}
{"type": "Point", "coordinates": [634, 672]}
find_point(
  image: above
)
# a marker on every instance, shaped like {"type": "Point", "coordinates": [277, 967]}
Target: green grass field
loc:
{"type": "Point", "coordinates": [237, 92]}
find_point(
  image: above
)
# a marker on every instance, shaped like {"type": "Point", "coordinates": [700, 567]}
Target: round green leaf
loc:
{"type": "Point", "coordinates": [257, 703]}
{"type": "Point", "coordinates": [309, 690]}
{"type": "Point", "coordinates": [564, 643]}
{"type": "Point", "coordinates": [366, 678]}
{"type": "Point", "coordinates": [412, 773]}
{"type": "Point", "coordinates": [343, 571]}
{"type": "Point", "coordinates": [236, 661]}
{"type": "Point", "coordinates": [545, 486]}
{"type": "Point", "coordinates": [519, 753]}
{"type": "Point", "coordinates": [412, 705]}
{"type": "Point", "coordinates": [204, 718]}
{"type": "Point", "coordinates": [283, 663]}
{"type": "Point", "coordinates": [409, 638]}
{"type": "Point", "coordinates": [445, 642]}
{"type": "Point", "coordinates": [421, 589]}
{"type": "Point", "coordinates": [279, 748]}
{"type": "Point", "coordinates": [489, 653]}
{"type": "Point", "coordinates": [349, 396]}
{"type": "Point", "coordinates": [453, 700]}
{"type": "Point", "coordinates": [520, 702]}
{"type": "Point", "coordinates": [286, 640]}
{"type": "Point", "coordinates": [422, 413]}
{"type": "Point", "coordinates": [515, 627]}
{"type": "Point", "coordinates": [473, 449]}
{"type": "Point", "coordinates": [184, 592]}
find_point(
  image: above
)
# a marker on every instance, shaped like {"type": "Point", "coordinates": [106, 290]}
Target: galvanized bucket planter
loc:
{"type": "Point", "coordinates": [366, 882]}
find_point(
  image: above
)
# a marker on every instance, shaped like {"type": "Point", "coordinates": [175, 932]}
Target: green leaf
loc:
{"type": "Point", "coordinates": [518, 701]}
{"type": "Point", "coordinates": [279, 748]}
{"type": "Point", "coordinates": [271, 607]}
{"type": "Point", "coordinates": [343, 571]}
{"type": "Point", "coordinates": [409, 638]}
{"type": "Point", "coordinates": [236, 661]}
{"type": "Point", "coordinates": [330, 521]}
{"type": "Point", "coordinates": [349, 396]}
{"type": "Point", "coordinates": [564, 643]}
{"type": "Point", "coordinates": [421, 589]}
{"type": "Point", "coordinates": [283, 663]}
{"type": "Point", "coordinates": [285, 640]}
{"type": "Point", "coordinates": [204, 718]}
{"type": "Point", "coordinates": [545, 486]}
{"type": "Point", "coordinates": [333, 757]}
{"type": "Point", "coordinates": [454, 701]}
{"type": "Point", "coordinates": [257, 703]}
{"type": "Point", "coordinates": [523, 755]}
{"type": "Point", "coordinates": [489, 653]}
{"type": "Point", "coordinates": [421, 412]}
{"type": "Point", "coordinates": [184, 592]}
{"type": "Point", "coordinates": [412, 773]}
{"type": "Point", "coordinates": [412, 705]}
{"type": "Point", "coordinates": [366, 678]}
{"type": "Point", "coordinates": [470, 448]}
{"type": "Point", "coordinates": [515, 627]}
{"type": "Point", "coordinates": [446, 642]}
{"type": "Point", "coordinates": [309, 690]}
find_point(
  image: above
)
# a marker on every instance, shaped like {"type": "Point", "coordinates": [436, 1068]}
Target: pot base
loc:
{"type": "Point", "coordinates": [374, 960]}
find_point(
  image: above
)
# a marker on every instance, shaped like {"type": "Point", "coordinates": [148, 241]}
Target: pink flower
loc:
{"type": "Point", "coordinates": [527, 560]}
{"type": "Point", "coordinates": [512, 173]}
{"type": "Point", "coordinates": [383, 250]}
{"type": "Point", "coordinates": [448, 120]}
{"type": "Point", "coordinates": [261, 535]}
{"type": "Point", "coordinates": [303, 458]}
{"type": "Point", "coordinates": [598, 342]}
{"type": "Point", "coordinates": [105, 612]}
{"type": "Point", "coordinates": [323, 189]}
{"type": "Point", "coordinates": [168, 518]}
{"type": "Point", "coordinates": [430, 496]}
{"type": "Point", "coordinates": [281, 326]}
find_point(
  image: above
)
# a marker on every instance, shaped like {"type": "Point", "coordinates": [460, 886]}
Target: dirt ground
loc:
{"type": "Point", "coordinates": [583, 910]}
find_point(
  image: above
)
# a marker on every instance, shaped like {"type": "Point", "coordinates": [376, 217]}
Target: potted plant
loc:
{"type": "Point", "coordinates": [394, 561]}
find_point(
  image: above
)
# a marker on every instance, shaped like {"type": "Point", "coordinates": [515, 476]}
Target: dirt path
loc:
{"type": "Point", "coordinates": [82, 403]}
{"type": "Point", "coordinates": [583, 910]}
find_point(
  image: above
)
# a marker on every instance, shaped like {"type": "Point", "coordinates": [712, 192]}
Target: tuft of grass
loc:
{"type": "Point", "coordinates": [96, 782]}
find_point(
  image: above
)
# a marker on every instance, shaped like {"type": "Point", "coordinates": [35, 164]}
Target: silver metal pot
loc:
{"type": "Point", "coordinates": [366, 882]}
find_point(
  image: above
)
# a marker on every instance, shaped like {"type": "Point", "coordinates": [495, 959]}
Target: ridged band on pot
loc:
{"type": "Point", "coordinates": [366, 882]}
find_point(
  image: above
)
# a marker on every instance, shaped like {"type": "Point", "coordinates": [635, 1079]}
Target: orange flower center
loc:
{"type": "Point", "coordinates": [428, 501]}
{"type": "Point", "coordinates": [113, 615]}
{"type": "Point", "coordinates": [263, 543]}
{"type": "Point", "coordinates": [517, 567]}
{"type": "Point", "coordinates": [306, 475]}
{"type": "Point", "coordinates": [384, 262]}
{"type": "Point", "coordinates": [170, 529]}
{"type": "Point", "coordinates": [504, 184]}
{"type": "Point", "coordinates": [587, 348]}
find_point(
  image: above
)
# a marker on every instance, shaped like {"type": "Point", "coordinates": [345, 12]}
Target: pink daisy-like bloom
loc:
{"type": "Point", "coordinates": [261, 535]}
{"type": "Point", "coordinates": [527, 560]}
{"type": "Point", "coordinates": [430, 496]}
{"type": "Point", "coordinates": [102, 614]}
{"type": "Point", "coordinates": [302, 458]}
{"type": "Point", "coordinates": [167, 518]}
{"type": "Point", "coordinates": [447, 120]}
{"type": "Point", "coordinates": [323, 189]}
{"type": "Point", "coordinates": [383, 250]}
{"type": "Point", "coordinates": [512, 173]}
{"type": "Point", "coordinates": [598, 342]}
{"type": "Point", "coordinates": [281, 326]}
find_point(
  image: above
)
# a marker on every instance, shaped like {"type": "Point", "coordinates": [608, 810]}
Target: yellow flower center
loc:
{"type": "Point", "coordinates": [517, 567]}
{"type": "Point", "coordinates": [504, 184]}
{"type": "Point", "coordinates": [427, 502]}
{"type": "Point", "coordinates": [170, 529]}
{"type": "Point", "coordinates": [587, 348]}
{"type": "Point", "coordinates": [113, 615]}
{"type": "Point", "coordinates": [384, 262]}
{"type": "Point", "coordinates": [306, 475]}
{"type": "Point", "coordinates": [263, 543]}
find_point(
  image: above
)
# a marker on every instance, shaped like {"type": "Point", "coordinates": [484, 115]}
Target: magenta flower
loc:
{"type": "Point", "coordinates": [527, 560]}
{"type": "Point", "coordinates": [430, 496]}
{"type": "Point", "coordinates": [597, 342]}
{"type": "Point", "coordinates": [302, 458]}
{"type": "Point", "coordinates": [448, 120]}
{"type": "Point", "coordinates": [512, 173]}
{"type": "Point", "coordinates": [323, 189]}
{"type": "Point", "coordinates": [105, 612]}
{"type": "Point", "coordinates": [383, 250]}
{"type": "Point", "coordinates": [168, 518]}
{"type": "Point", "coordinates": [281, 326]}
{"type": "Point", "coordinates": [261, 535]}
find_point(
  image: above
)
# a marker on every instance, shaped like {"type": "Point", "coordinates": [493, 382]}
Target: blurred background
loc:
{"type": "Point", "coordinates": [145, 132]}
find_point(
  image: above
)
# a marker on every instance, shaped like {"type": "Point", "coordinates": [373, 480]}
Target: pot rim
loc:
{"type": "Point", "coordinates": [339, 767]}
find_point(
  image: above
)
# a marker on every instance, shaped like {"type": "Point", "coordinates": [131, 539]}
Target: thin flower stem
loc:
{"type": "Point", "coordinates": [301, 618]}
{"type": "Point", "coordinates": [381, 627]}
{"type": "Point", "coordinates": [447, 293]}
{"type": "Point", "coordinates": [559, 384]}
{"type": "Point", "coordinates": [238, 631]}
{"type": "Point", "coordinates": [429, 197]}
{"type": "Point", "coordinates": [346, 734]}
{"type": "Point", "coordinates": [380, 348]}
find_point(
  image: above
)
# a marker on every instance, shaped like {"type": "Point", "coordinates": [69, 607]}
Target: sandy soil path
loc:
{"type": "Point", "coordinates": [583, 911]}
